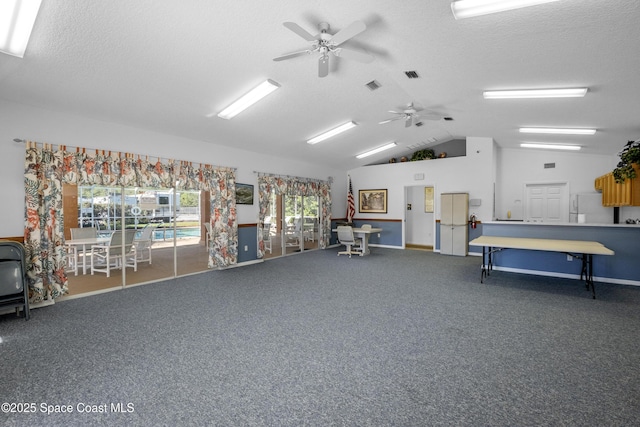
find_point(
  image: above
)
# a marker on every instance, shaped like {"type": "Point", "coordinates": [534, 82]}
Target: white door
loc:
{"type": "Point", "coordinates": [547, 203]}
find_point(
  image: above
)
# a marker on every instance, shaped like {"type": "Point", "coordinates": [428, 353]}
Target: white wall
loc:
{"type": "Point", "coordinates": [36, 124]}
{"type": "Point", "coordinates": [472, 174]}
{"type": "Point", "coordinates": [517, 167]}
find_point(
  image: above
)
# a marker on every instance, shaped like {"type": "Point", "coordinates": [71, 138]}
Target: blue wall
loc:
{"type": "Point", "coordinates": [391, 234]}
{"type": "Point", "coordinates": [247, 236]}
{"type": "Point", "coordinates": [623, 240]}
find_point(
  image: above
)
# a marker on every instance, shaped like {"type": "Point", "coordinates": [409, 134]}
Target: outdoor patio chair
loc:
{"type": "Point", "coordinates": [113, 255]}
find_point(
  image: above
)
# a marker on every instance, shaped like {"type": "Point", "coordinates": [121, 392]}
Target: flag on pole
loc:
{"type": "Point", "coordinates": [351, 205]}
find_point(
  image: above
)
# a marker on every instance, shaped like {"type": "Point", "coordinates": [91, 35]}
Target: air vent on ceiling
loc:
{"type": "Point", "coordinates": [373, 85]}
{"type": "Point", "coordinates": [549, 165]}
{"type": "Point", "coordinates": [412, 74]}
{"type": "Point", "coordinates": [417, 144]}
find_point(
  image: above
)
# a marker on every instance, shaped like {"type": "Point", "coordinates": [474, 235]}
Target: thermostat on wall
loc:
{"type": "Point", "coordinates": [475, 202]}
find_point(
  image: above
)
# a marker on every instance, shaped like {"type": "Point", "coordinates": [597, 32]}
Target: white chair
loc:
{"type": "Point", "coordinates": [364, 227]}
{"type": "Point", "coordinates": [114, 255]}
{"type": "Point", "coordinates": [73, 252]}
{"type": "Point", "coordinates": [346, 237]}
{"type": "Point", "coordinates": [266, 236]}
{"type": "Point", "coordinates": [209, 235]}
{"type": "Point", "coordinates": [292, 233]}
{"type": "Point", "coordinates": [144, 242]}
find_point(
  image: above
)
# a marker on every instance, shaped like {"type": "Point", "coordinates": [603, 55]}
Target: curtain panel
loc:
{"type": "Point", "coordinates": [47, 169]}
{"type": "Point", "coordinates": [293, 186]}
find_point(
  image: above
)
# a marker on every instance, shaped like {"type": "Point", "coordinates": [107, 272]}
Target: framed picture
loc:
{"type": "Point", "coordinates": [244, 194]}
{"type": "Point", "coordinates": [428, 199]}
{"type": "Point", "coordinates": [373, 201]}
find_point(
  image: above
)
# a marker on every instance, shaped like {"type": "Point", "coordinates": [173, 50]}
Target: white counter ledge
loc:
{"type": "Point", "coordinates": [561, 224]}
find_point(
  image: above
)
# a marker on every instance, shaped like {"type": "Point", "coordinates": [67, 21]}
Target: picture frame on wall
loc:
{"type": "Point", "coordinates": [428, 199]}
{"type": "Point", "coordinates": [244, 194]}
{"type": "Point", "coordinates": [372, 201]}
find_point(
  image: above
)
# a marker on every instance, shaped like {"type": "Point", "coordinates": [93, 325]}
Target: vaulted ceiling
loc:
{"type": "Point", "coordinates": [172, 66]}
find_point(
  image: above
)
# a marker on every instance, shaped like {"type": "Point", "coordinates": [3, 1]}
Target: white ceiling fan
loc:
{"type": "Point", "coordinates": [411, 115]}
{"type": "Point", "coordinates": [325, 44]}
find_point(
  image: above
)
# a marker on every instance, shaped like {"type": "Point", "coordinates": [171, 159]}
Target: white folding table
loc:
{"type": "Point", "coordinates": [81, 244]}
{"type": "Point", "coordinates": [581, 249]}
{"type": "Point", "coordinates": [363, 234]}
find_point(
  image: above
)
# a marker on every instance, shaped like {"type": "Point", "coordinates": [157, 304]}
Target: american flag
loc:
{"type": "Point", "coordinates": [351, 205]}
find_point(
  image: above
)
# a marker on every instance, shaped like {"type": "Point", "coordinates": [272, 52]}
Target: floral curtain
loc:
{"type": "Point", "coordinates": [223, 250]}
{"type": "Point", "coordinates": [293, 186]}
{"type": "Point", "coordinates": [45, 172]}
{"type": "Point", "coordinates": [44, 228]}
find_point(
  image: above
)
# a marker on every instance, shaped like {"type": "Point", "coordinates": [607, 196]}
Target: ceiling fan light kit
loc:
{"type": "Point", "coordinates": [19, 16]}
{"type": "Point", "coordinates": [376, 150]}
{"type": "Point", "coordinates": [253, 96]}
{"type": "Point", "coordinates": [559, 131]}
{"type": "Point", "coordinates": [470, 8]}
{"type": "Point", "coordinates": [535, 93]}
{"type": "Point", "coordinates": [333, 132]}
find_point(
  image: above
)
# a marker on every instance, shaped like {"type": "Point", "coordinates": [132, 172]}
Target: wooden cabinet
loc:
{"type": "Point", "coordinates": [619, 194]}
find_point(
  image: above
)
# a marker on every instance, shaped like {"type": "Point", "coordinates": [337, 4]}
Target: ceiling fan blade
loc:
{"type": "Point", "coordinates": [346, 33]}
{"type": "Point", "coordinates": [390, 120]}
{"type": "Point", "coordinates": [299, 31]}
{"type": "Point", "coordinates": [356, 55]}
{"type": "Point", "coordinates": [323, 66]}
{"type": "Point", "coordinates": [292, 55]}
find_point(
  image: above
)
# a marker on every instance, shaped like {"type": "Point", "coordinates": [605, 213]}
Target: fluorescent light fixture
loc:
{"type": "Point", "coordinates": [535, 93]}
{"type": "Point", "coordinates": [376, 150]}
{"type": "Point", "coordinates": [16, 23]}
{"type": "Point", "coordinates": [559, 131]}
{"type": "Point", "coordinates": [255, 95]}
{"type": "Point", "coordinates": [469, 8]}
{"type": "Point", "coordinates": [332, 132]}
{"type": "Point", "coordinates": [550, 146]}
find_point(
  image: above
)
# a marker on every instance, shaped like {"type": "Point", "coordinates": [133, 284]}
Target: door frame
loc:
{"type": "Point", "coordinates": [406, 218]}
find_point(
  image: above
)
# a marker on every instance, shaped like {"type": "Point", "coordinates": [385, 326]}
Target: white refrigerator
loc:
{"type": "Point", "coordinates": [454, 217]}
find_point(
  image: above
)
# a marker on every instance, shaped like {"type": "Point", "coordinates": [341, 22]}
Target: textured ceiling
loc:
{"type": "Point", "coordinates": [171, 66]}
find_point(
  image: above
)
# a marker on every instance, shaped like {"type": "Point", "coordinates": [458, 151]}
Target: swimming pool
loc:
{"type": "Point", "coordinates": [181, 233]}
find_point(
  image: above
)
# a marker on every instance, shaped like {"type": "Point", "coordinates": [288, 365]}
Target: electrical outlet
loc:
{"type": "Point", "coordinates": [378, 234]}
{"type": "Point", "coordinates": [569, 257]}
{"type": "Point", "coordinates": [246, 248]}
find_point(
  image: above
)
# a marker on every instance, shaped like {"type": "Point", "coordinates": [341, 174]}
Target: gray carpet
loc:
{"type": "Point", "coordinates": [403, 338]}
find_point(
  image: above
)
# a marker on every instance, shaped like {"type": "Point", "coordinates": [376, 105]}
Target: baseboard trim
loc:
{"type": "Point", "coordinates": [567, 276]}
{"type": "Point", "coordinates": [418, 247]}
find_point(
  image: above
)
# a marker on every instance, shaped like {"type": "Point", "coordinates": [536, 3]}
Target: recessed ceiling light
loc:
{"type": "Point", "coordinates": [535, 93]}
{"type": "Point", "coordinates": [469, 8]}
{"type": "Point", "coordinates": [244, 102]}
{"type": "Point", "coordinates": [376, 150]}
{"type": "Point", "coordinates": [333, 132]}
{"type": "Point", "coordinates": [559, 131]}
{"type": "Point", "coordinates": [550, 146]}
{"type": "Point", "coordinates": [16, 21]}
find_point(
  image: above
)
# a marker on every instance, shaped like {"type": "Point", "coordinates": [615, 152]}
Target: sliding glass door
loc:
{"type": "Point", "coordinates": [154, 233]}
{"type": "Point", "coordinates": [301, 223]}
